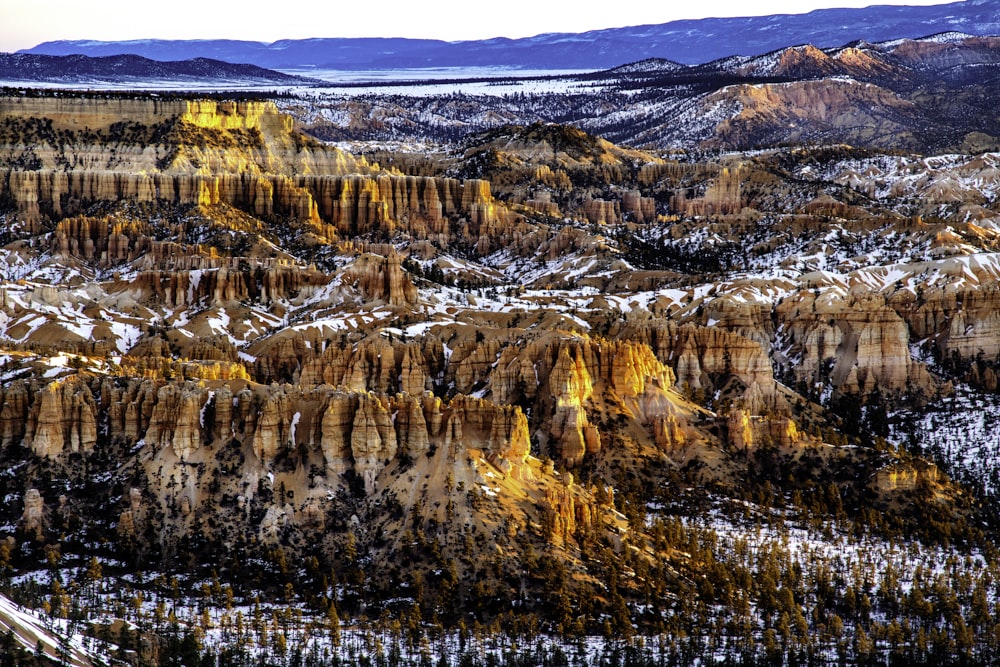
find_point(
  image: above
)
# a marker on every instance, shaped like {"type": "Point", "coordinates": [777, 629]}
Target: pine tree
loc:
{"type": "Point", "coordinates": [333, 624]}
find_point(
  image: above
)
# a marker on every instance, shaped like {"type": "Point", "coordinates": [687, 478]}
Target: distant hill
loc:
{"type": "Point", "coordinates": [647, 65]}
{"type": "Point", "coordinates": [934, 94]}
{"type": "Point", "coordinates": [688, 42]}
{"type": "Point", "coordinates": [125, 68]}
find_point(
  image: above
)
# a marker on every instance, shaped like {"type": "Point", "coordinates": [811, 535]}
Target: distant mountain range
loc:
{"type": "Point", "coordinates": [929, 95]}
{"type": "Point", "coordinates": [132, 68]}
{"type": "Point", "coordinates": [689, 42]}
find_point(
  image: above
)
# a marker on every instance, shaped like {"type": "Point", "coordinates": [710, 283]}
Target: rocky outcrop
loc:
{"type": "Point", "coordinates": [373, 439]}
{"type": "Point", "coordinates": [176, 419]}
{"type": "Point", "coordinates": [705, 359]}
{"type": "Point", "coordinates": [571, 386]}
{"type": "Point", "coordinates": [668, 432]}
{"type": "Point", "coordinates": [146, 135]}
{"type": "Point", "coordinates": [132, 519]}
{"type": "Point", "coordinates": [62, 419]}
{"type": "Point", "coordinates": [33, 518]}
{"type": "Point", "coordinates": [856, 342]}
{"type": "Point", "coordinates": [510, 441]}
{"type": "Point", "coordinates": [101, 113]}
{"type": "Point", "coordinates": [411, 424]}
{"type": "Point", "coordinates": [230, 280]}
{"type": "Point", "coordinates": [905, 476]}
{"type": "Point", "coordinates": [14, 409]}
{"type": "Point", "coordinates": [600, 211]}
{"type": "Point", "coordinates": [564, 378]}
{"type": "Point", "coordinates": [373, 364]}
{"type": "Point", "coordinates": [854, 112]}
{"type": "Point", "coordinates": [336, 432]}
{"type": "Point", "coordinates": [746, 431]}
{"type": "Point", "coordinates": [638, 208]}
{"type": "Point", "coordinates": [188, 421]}
{"type": "Point", "coordinates": [334, 206]}
{"type": "Point", "coordinates": [271, 421]}
{"type": "Point", "coordinates": [568, 509]}
{"type": "Point", "coordinates": [129, 409]}
{"type": "Point", "coordinates": [209, 153]}
{"type": "Point", "coordinates": [722, 197]}
{"type": "Point", "coordinates": [382, 279]}
{"type": "Point", "coordinates": [962, 322]}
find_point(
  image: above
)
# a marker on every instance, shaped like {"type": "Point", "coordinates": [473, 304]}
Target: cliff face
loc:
{"type": "Point", "coordinates": [858, 343]}
{"type": "Point", "coordinates": [100, 114]}
{"type": "Point", "coordinates": [351, 205]}
{"type": "Point", "coordinates": [62, 418]}
{"type": "Point", "coordinates": [561, 380]}
{"type": "Point", "coordinates": [61, 156]}
{"type": "Point", "coordinates": [358, 430]}
{"type": "Point", "coordinates": [566, 381]}
{"type": "Point", "coordinates": [858, 113]}
{"type": "Point", "coordinates": [184, 435]}
{"type": "Point", "coordinates": [962, 322]}
{"type": "Point", "coordinates": [134, 135]}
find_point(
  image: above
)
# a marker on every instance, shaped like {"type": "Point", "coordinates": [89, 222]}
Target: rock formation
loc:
{"type": "Point", "coordinates": [857, 342]}
{"type": "Point", "coordinates": [33, 520]}
{"type": "Point", "coordinates": [63, 418]}
{"type": "Point", "coordinates": [382, 279]}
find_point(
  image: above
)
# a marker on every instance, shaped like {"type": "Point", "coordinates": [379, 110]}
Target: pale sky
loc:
{"type": "Point", "coordinates": [26, 23]}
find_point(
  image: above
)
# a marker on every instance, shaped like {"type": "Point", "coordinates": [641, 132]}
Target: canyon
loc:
{"type": "Point", "coordinates": [231, 349]}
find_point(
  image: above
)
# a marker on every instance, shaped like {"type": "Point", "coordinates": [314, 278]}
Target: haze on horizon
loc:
{"type": "Point", "coordinates": [27, 24]}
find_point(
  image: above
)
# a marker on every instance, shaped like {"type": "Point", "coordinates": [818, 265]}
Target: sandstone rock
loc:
{"type": "Point", "coordinates": [510, 440]}
{"type": "Point", "coordinates": [336, 434]}
{"type": "Point", "coordinates": [412, 375]}
{"type": "Point", "coordinates": [571, 385]}
{"type": "Point", "coordinates": [668, 433]}
{"type": "Point", "coordinates": [740, 429]}
{"type": "Point", "coordinates": [965, 322]}
{"type": "Point", "coordinates": [275, 520]}
{"type": "Point", "coordinates": [132, 518]}
{"type": "Point", "coordinates": [33, 519]}
{"type": "Point", "coordinates": [723, 197]}
{"type": "Point", "coordinates": [701, 356]}
{"type": "Point", "coordinates": [472, 363]}
{"type": "Point", "coordinates": [382, 279]}
{"type": "Point", "coordinates": [905, 476]}
{"type": "Point", "coordinates": [176, 419]}
{"type": "Point", "coordinates": [16, 401]}
{"type": "Point", "coordinates": [640, 209]}
{"type": "Point", "coordinates": [856, 342]}
{"type": "Point", "coordinates": [311, 516]}
{"type": "Point", "coordinates": [62, 418]}
{"type": "Point", "coordinates": [373, 440]}
{"type": "Point", "coordinates": [515, 378]}
{"type": "Point", "coordinates": [601, 212]}
{"type": "Point", "coordinates": [559, 508]}
{"type": "Point", "coordinates": [411, 427]}
{"type": "Point", "coordinates": [222, 423]}
{"type": "Point", "coordinates": [273, 424]}
{"type": "Point", "coordinates": [454, 434]}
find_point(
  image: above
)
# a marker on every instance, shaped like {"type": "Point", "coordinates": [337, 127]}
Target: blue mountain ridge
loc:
{"type": "Point", "coordinates": [688, 41]}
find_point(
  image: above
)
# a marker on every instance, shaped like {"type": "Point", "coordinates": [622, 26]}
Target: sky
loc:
{"type": "Point", "coordinates": [26, 23]}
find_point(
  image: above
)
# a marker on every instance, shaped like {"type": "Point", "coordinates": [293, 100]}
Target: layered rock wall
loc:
{"type": "Point", "coordinates": [347, 429]}
{"type": "Point", "coordinates": [857, 343]}
{"type": "Point", "coordinates": [101, 113]}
